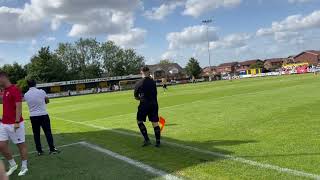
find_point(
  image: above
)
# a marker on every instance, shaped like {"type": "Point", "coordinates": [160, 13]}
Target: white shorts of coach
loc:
{"type": "Point", "coordinates": [16, 136]}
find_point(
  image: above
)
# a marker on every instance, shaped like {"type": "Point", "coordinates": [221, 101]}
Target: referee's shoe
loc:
{"type": "Point", "coordinates": [54, 151]}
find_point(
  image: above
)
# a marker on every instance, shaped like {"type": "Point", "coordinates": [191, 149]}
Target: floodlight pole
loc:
{"type": "Point", "coordinates": [207, 22]}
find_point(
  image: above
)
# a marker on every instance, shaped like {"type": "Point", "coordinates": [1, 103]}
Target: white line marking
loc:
{"type": "Point", "coordinates": [130, 161]}
{"type": "Point", "coordinates": [62, 146]}
{"type": "Point", "coordinates": [216, 154]}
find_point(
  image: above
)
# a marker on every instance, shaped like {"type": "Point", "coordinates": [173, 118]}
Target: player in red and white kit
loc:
{"type": "Point", "coordinates": [12, 125]}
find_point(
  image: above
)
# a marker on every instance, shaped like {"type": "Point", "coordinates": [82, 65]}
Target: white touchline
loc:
{"type": "Point", "coordinates": [130, 161]}
{"type": "Point", "coordinates": [216, 154]}
{"type": "Point", "coordinates": [62, 146]}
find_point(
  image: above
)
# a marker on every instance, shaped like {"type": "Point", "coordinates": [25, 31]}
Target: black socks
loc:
{"type": "Point", "coordinates": [157, 134]}
{"type": "Point", "coordinates": [144, 131]}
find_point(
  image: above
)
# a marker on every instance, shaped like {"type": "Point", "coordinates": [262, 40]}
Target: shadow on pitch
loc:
{"type": "Point", "coordinates": [168, 158]}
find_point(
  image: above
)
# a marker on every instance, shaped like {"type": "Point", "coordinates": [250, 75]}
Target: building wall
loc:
{"type": "Point", "coordinates": [307, 57]}
{"type": "Point", "coordinates": [225, 69]}
{"type": "Point", "coordinates": [244, 67]}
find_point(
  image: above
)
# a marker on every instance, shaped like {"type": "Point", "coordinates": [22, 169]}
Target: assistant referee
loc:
{"type": "Point", "coordinates": [146, 92]}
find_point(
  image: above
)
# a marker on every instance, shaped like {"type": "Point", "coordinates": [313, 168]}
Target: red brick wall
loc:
{"type": "Point", "coordinates": [307, 57]}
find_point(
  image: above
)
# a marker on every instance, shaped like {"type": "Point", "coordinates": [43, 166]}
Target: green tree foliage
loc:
{"type": "Point", "coordinates": [257, 65]}
{"type": "Point", "coordinates": [15, 71]}
{"type": "Point", "coordinates": [23, 85]}
{"type": "Point", "coordinates": [83, 58]}
{"type": "Point", "coordinates": [165, 61]}
{"type": "Point", "coordinates": [87, 58]}
{"type": "Point", "coordinates": [68, 55]}
{"type": "Point", "coordinates": [193, 68]}
{"type": "Point", "coordinates": [120, 62]}
{"type": "Point", "coordinates": [46, 67]}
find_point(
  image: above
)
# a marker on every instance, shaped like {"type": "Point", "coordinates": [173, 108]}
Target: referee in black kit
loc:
{"type": "Point", "coordinates": [146, 92]}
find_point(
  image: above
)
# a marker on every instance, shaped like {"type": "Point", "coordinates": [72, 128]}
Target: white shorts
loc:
{"type": "Point", "coordinates": [7, 132]}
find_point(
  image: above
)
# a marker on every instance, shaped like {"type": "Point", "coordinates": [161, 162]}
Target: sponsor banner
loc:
{"type": "Point", "coordinates": [76, 93]}
{"type": "Point", "coordinates": [84, 81]}
{"type": "Point", "coordinates": [261, 75]}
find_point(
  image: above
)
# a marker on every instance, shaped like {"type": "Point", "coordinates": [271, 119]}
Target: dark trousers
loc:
{"type": "Point", "coordinates": [43, 122]}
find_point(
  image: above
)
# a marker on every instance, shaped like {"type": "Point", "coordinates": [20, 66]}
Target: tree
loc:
{"type": "Point", "coordinates": [165, 61]}
{"type": "Point", "coordinates": [120, 62]}
{"type": "Point", "coordinates": [83, 58]}
{"type": "Point", "coordinates": [193, 68]}
{"type": "Point", "coordinates": [89, 57]}
{"type": "Point", "coordinates": [257, 65]}
{"type": "Point", "coordinates": [46, 67]}
{"type": "Point", "coordinates": [68, 55]}
{"type": "Point", "coordinates": [15, 71]}
{"type": "Point", "coordinates": [23, 85]}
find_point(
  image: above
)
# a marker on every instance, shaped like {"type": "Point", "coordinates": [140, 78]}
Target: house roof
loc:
{"type": "Point", "coordinates": [314, 52]}
{"type": "Point", "coordinates": [275, 60]}
{"type": "Point", "coordinates": [165, 67]}
{"type": "Point", "coordinates": [228, 64]}
{"type": "Point", "coordinates": [249, 62]}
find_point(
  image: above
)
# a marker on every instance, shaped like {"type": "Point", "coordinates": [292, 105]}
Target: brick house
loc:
{"type": "Point", "coordinates": [312, 57]}
{"type": "Point", "coordinates": [245, 65]}
{"type": "Point", "coordinates": [274, 63]}
{"type": "Point", "coordinates": [227, 68]}
{"type": "Point", "coordinates": [168, 71]}
{"type": "Point", "coordinates": [207, 71]}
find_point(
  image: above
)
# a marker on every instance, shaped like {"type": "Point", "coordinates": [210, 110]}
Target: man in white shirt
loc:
{"type": "Point", "coordinates": [37, 100]}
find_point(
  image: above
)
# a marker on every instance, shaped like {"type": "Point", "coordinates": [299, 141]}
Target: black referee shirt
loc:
{"type": "Point", "coordinates": [146, 91]}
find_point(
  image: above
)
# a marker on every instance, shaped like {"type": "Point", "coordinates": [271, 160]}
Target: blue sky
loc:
{"type": "Point", "coordinates": [158, 29]}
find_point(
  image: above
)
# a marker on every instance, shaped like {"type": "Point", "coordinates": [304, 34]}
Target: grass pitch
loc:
{"type": "Point", "coordinates": [213, 130]}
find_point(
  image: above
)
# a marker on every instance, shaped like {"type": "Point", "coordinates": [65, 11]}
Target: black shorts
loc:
{"type": "Point", "coordinates": [148, 110]}
{"type": "Point", "coordinates": [164, 86]}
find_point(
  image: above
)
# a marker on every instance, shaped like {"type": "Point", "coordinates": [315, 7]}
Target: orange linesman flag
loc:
{"type": "Point", "coordinates": [162, 123]}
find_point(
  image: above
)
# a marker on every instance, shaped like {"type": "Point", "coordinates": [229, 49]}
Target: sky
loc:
{"type": "Point", "coordinates": [164, 29]}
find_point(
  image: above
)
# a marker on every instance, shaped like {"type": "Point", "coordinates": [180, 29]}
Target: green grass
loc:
{"type": "Point", "coordinates": [271, 120]}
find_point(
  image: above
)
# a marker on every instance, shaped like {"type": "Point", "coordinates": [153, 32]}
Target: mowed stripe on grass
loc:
{"type": "Point", "coordinates": [144, 167]}
{"type": "Point", "coordinates": [271, 121]}
{"type": "Point", "coordinates": [217, 154]}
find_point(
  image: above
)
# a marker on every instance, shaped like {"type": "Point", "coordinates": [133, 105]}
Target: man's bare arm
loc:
{"type": "Point", "coordinates": [18, 111]}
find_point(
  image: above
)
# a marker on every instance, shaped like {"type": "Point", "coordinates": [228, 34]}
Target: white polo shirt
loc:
{"type": "Point", "coordinates": [35, 99]}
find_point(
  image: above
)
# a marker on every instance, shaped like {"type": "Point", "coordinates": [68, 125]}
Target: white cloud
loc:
{"type": "Point", "coordinates": [94, 17]}
{"type": "Point", "coordinates": [195, 37]}
{"type": "Point", "coordinates": [15, 25]}
{"type": "Point", "coordinates": [49, 39]}
{"type": "Point", "coordinates": [159, 13]}
{"type": "Point", "coordinates": [193, 8]}
{"type": "Point", "coordinates": [134, 38]}
{"type": "Point", "coordinates": [293, 23]}
{"type": "Point", "coordinates": [285, 36]}
{"type": "Point", "coordinates": [197, 7]}
{"type": "Point", "coordinates": [192, 41]}
{"type": "Point", "coordinates": [191, 36]}
{"type": "Point", "coordinates": [231, 41]}
{"type": "Point", "coordinates": [169, 55]}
